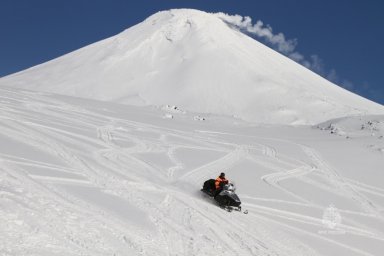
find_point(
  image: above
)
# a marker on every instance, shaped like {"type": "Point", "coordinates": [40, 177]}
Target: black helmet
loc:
{"type": "Point", "coordinates": [222, 174]}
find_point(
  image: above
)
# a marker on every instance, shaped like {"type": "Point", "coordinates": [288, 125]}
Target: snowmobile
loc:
{"type": "Point", "coordinates": [226, 198]}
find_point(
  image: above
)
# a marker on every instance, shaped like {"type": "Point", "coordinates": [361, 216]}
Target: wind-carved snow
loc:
{"type": "Point", "coordinates": [81, 177]}
{"type": "Point", "coordinates": [196, 61]}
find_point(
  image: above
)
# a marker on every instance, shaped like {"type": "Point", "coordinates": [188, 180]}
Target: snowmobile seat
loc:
{"type": "Point", "coordinates": [209, 186]}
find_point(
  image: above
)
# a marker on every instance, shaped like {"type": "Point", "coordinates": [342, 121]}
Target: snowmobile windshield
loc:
{"type": "Point", "coordinates": [230, 187]}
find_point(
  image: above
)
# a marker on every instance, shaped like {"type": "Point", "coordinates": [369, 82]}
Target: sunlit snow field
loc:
{"type": "Point", "coordinates": [82, 177]}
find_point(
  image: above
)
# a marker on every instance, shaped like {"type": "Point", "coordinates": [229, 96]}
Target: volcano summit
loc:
{"type": "Point", "coordinates": [199, 62]}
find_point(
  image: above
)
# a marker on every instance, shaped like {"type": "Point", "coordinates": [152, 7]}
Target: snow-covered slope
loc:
{"type": "Point", "coordinates": [355, 126]}
{"type": "Point", "coordinates": [83, 177]}
{"type": "Point", "coordinates": [195, 60]}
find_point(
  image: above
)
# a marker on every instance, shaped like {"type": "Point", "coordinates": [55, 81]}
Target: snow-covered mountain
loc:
{"type": "Point", "coordinates": [91, 176]}
{"type": "Point", "coordinates": [197, 61]}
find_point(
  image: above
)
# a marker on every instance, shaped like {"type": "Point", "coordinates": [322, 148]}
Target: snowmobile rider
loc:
{"type": "Point", "coordinates": [219, 183]}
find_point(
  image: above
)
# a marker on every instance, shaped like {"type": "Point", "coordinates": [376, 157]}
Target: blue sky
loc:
{"type": "Point", "coordinates": [341, 39]}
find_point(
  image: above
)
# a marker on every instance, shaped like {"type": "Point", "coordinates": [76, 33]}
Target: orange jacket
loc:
{"type": "Point", "coordinates": [219, 180]}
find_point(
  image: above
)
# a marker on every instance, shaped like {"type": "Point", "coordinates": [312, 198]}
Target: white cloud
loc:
{"type": "Point", "coordinates": [288, 47]}
{"type": "Point", "coordinates": [277, 41]}
{"type": "Point", "coordinates": [316, 64]}
{"type": "Point", "coordinates": [332, 75]}
{"type": "Point", "coordinates": [349, 85]}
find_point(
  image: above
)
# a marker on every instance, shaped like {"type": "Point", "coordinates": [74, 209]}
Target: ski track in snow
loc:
{"type": "Point", "coordinates": [74, 181]}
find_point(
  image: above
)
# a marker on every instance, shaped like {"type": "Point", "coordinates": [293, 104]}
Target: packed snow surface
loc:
{"type": "Point", "coordinates": [84, 177]}
{"type": "Point", "coordinates": [198, 62]}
